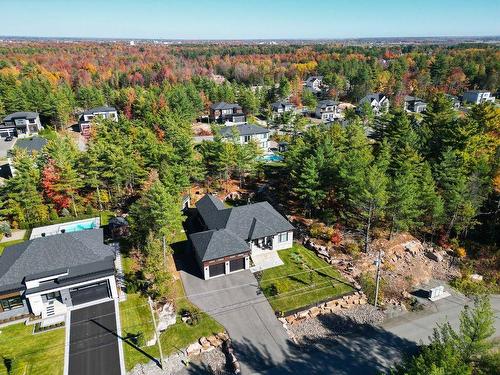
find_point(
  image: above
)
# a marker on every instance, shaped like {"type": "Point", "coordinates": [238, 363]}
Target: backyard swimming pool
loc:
{"type": "Point", "coordinates": [78, 226]}
{"type": "Point", "coordinates": [272, 157]}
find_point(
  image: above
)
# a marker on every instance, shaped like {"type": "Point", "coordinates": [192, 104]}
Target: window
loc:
{"type": "Point", "coordinates": [11, 303]}
{"type": "Point", "coordinates": [283, 237]}
{"type": "Point", "coordinates": [53, 295]}
{"type": "Point", "coordinates": [247, 138]}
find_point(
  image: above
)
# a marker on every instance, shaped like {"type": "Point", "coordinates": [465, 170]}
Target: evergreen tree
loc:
{"type": "Point", "coordinates": [307, 185]}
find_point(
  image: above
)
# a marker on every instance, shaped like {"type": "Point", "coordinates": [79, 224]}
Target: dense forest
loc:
{"type": "Point", "coordinates": [435, 175]}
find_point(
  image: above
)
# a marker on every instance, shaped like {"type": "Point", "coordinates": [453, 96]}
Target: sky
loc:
{"type": "Point", "coordinates": [249, 19]}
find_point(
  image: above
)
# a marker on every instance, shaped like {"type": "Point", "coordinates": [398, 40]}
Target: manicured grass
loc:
{"type": "Point", "coordinates": [136, 319]}
{"type": "Point", "coordinates": [105, 216]}
{"type": "Point", "coordinates": [30, 354]}
{"type": "Point", "coordinates": [9, 243]}
{"type": "Point", "coordinates": [180, 335]}
{"type": "Point", "coordinates": [293, 285]}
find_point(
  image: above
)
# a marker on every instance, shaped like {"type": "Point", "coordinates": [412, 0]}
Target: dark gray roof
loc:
{"type": "Point", "coordinates": [214, 244]}
{"type": "Point", "coordinates": [77, 252]}
{"type": "Point", "coordinates": [278, 105]}
{"type": "Point", "coordinates": [327, 103]}
{"type": "Point", "coordinates": [374, 96]}
{"type": "Point", "coordinates": [31, 144]}
{"type": "Point", "coordinates": [247, 222]}
{"type": "Point", "coordinates": [99, 110]}
{"type": "Point", "coordinates": [26, 115]}
{"type": "Point", "coordinates": [243, 129]}
{"type": "Point", "coordinates": [224, 105]}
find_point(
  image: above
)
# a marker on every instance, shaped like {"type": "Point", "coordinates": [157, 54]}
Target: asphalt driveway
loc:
{"type": "Point", "coordinates": [236, 303]}
{"type": "Point", "coordinates": [93, 341]}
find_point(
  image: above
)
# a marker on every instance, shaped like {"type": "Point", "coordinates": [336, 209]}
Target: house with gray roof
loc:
{"type": "Point", "coordinates": [20, 124]}
{"type": "Point", "coordinates": [328, 110]}
{"type": "Point", "coordinates": [280, 107]}
{"type": "Point", "coordinates": [478, 97]}
{"type": "Point", "coordinates": [414, 104]}
{"type": "Point", "coordinates": [86, 117]}
{"type": "Point", "coordinates": [246, 133]}
{"type": "Point", "coordinates": [223, 112]}
{"type": "Point", "coordinates": [314, 84]}
{"type": "Point", "coordinates": [48, 276]}
{"type": "Point", "coordinates": [231, 236]}
{"type": "Point", "coordinates": [378, 101]}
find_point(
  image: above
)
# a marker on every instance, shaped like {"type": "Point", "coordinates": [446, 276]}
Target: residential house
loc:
{"type": "Point", "coordinates": [231, 235]}
{"type": "Point", "coordinates": [21, 124]}
{"type": "Point", "coordinates": [379, 102]}
{"type": "Point", "coordinates": [477, 97]}
{"type": "Point", "coordinates": [314, 84]}
{"type": "Point", "coordinates": [246, 133]}
{"type": "Point", "coordinates": [414, 104]}
{"type": "Point", "coordinates": [31, 146]}
{"type": "Point", "coordinates": [85, 120]}
{"type": "Point", "coordinates": [278, 108]}
{"type": "Point", "coordinates": [227, 113]}
{"type": "Point", "coordinates": [48, 276]}
{"type": "Point", "coordinates": [328, 110]}
{"type": "Point", "coordinates": [455, 102]}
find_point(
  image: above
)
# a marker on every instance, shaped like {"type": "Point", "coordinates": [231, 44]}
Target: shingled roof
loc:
{"type": "Point", "coordinates": [77, 253]}
{"type": "Point", "coordinates": [245, 223]}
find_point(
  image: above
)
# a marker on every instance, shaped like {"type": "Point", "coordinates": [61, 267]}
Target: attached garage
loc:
{"type": "Point", "coordinates": [237, 264]}
{"type": "Point", "coordinates": [7, 132]}
{"type": "Point", "coordinates": [89, 293]}
{"type": "Point", "coordinates": [217, 269]}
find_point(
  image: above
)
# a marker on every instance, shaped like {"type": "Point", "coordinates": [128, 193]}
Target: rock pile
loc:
{"type": "Point", "coordinates": [206, 344]}
{"type": "Point", "coordinates": [346, 302]}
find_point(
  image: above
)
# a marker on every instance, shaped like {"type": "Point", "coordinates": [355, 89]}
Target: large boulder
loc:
{"type": "Point", "coordinates": [413, 247]}
{"type": "Point", "coordinates": [437, 257]}
{"type": "Point", "coordinates": [194, 349]}
{"type": "Point", "coordinates": [166, 317]}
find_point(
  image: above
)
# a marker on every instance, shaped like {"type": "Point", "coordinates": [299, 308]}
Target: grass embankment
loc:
{"type": "Point", "coordinates": [303, 279]}
{"type": "Point", "coordinates": [26, 354]}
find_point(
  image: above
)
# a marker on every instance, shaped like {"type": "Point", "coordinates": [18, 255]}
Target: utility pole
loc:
{"type": "Point", "coordinates": [377, 281]}
{"type": "Point", "coordinates": [157, 335]}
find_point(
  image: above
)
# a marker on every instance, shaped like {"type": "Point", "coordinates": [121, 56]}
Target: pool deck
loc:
{"type": "Point", "coordinates": [50, 230]}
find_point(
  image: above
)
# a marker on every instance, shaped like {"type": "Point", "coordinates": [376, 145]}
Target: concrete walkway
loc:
{"type": "Point", "coordinates": [17, 234]}
{"type": "Point", "coordinates": [265, 259]}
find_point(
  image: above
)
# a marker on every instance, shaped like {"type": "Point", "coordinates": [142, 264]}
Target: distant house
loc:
{"type": "Point", "coordinates": [455, 102]}
{"type": "Point", "coordinates": [246, 133]}
{"type": "Point", "coordinates": [379, 102]}
{"type": "Point", "coordinates": [20, 124]}
{"type": "Point", "coordinates": [231, 236]}
{"type": "Point", "coordinates": [414, 104]}
{"type": "Point", "coordinates": [478, 97]}
{"type": "Point", "coordinates": [279, 108]}
{"type": "Point", "coordinates": [49, 276]}
{"type": "Point", "coordinates": [31, 145]}
{"type": "Point", "coordinates": [328, 110]}
{"type": "Point", "coordinates": [314, 84]}
{"type": "Point", "coordinates": [227, 113]}
{"type": "Point", "coordinates": [85, 120]}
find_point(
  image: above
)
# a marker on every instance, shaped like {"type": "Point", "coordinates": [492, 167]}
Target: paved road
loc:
{"type": "Point", "coordinates": [235, 302]}
{"type": "Point", "coordinates": [5, 147]}
{"type": "Point", "coordinates": [93, 346]}
{"type": "Point", "coordinates": [418, 327]}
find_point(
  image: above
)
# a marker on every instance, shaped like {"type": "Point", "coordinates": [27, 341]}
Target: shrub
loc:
{"type": "Point", "coordinates": [5, 228]}
{"type": "Point", "coordinates": [191, 315]}
{"type": "Point", "coordinates": [53, 214]}
{"type": "Point", "coordinates": [469, 287]}
{"type": "Point", "coordinates": [368, 284]}
{"type": "Point", "coordinates": [353, 248]}
{"type": "Point", "coordinates": [460, 252]}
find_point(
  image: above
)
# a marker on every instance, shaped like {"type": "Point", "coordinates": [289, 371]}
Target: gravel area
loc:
{"type": "Point", "coordinates": [345, 321]}
{"type": "Point", "coordinates": [214, 360]}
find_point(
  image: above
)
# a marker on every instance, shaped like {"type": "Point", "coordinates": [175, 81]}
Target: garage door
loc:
{"type": "Point", "coordinates": [89, 293]}
{"type": "Point", "coordinates": [237, 264]}
{"type": "Point", "coordinates": [217, 269]}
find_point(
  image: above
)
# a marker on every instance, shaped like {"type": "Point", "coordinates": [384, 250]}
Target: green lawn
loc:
{"type": "Point", "coordinates": [136, 319]}
{"type": "Point", "coordinates": [30, 354]}
{"type": "Point", "coordinates": [293, 285]}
